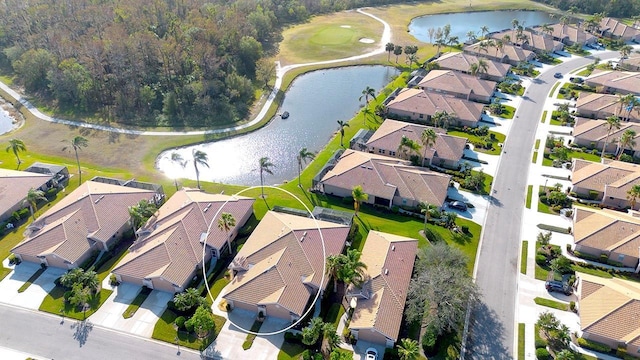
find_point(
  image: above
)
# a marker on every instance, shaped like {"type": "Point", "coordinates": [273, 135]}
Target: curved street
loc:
{"type": "Point", "coordinates": [493, 321]}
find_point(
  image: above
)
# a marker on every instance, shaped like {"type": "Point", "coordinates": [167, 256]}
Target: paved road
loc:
{"type": "Point", "coordinates": [44, 336]}
{"type": "Point", "coordinates": [492, 322]}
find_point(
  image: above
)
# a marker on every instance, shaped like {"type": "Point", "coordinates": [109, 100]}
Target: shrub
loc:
{"type": "Point", "coordinates": [540, 343]}
{"type": "Point", "coordinates": [542, 354]}
{"type": "Point", "coordinates": [429, 341]}
{"type": "Point", "coordinates": [188, 325]}
{"type": "Point", "coordinates": [452, 353]}
{"type": "Point", "coordinates": [113, 280]}
{"type": "Point", "coordinates": [180, 320]}
{"type": "Point", "coordinates": [465, 229]}
{"type": "Point", "coordinates": [592, 345]}
{"type": "Point", "coordinates": [293, 338]}
{"type": "Point", "coordinates": [572, 306]}
{"type": "Point", "coordinates": [13, 260]}
{"type": "Point", "coordinates": [541, 260]}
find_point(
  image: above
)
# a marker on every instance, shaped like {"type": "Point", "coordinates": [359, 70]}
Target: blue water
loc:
{"type": "Point", "coordinates": [6, 122]}
{"type": "Point", "coordinates": [461, 23]}
{"type": "Point", "coordinates": [315, 101]}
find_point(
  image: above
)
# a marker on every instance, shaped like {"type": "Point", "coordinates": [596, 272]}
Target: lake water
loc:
{"type": "Point", "coordinates": [461, 23]}
{"type": "Point", "coordinates": [6, 121]}
{"type": "Point", "coordinates": [315, 101]}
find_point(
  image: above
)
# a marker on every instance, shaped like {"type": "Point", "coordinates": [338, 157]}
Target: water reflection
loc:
{"type": "Point", "coordinates": [6, 121]}
{"type": "Point", "coordinates": [315, 102]}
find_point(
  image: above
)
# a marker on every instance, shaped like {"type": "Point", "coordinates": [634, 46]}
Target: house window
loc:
{"type": "Point", "coordinates": [621, 257]}
{"type": "Point", "coordinates": [421, 116]}
{"type": "Point", "coordinates": [404, 201]}
{"type": "Point", "coordinates": [381, 151]}
{"type": "Point", "coordinates": [392, 153]}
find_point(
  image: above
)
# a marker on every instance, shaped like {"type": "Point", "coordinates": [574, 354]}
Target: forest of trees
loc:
{"type": "Point", "coordinates": [613, 8]}
{"type": "Point", "coordinates": [149, 62]}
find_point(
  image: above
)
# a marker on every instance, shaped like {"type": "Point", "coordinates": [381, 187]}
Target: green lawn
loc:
{"type": "Point", "coordinates": [584, 72]}
{"type": "Point", "coordinates": [537, 146]}
{"type": "Point", "coordinates": [521, 340]}
{"type": "Point", "coordinates": [500, 138]}
{"type": "Point", "coordinates": [165, 330]}
{"type": "Point", "coordinates": [334, 314]}
{"type": "Point", "coordinates": [534, 158]}
{"type": "Point", "coordinates": [529, 196]}
{"type": "Point", "coordinates": [507, 112]}
{"type": "Point", "coordinates": [135, 304]}
{"type": "Point", "coordinates": [544, 117]}
{"type": "Point", "coordinates": [246, 345]}
{"type": "Point", "coordinates": [523, 257]}
{"type": "Point", "coordinates": [541, 273]}
{"type": "Point", "coordinates": [551, 304]}
{"type": "Point", "coordinates": [290, 351]}
{"type": "Point", "coordinates": [54, 302]}
{"type": "Point", "coordinates": [553, 89]}
{"type": "Point", "coordinates": [573, 154]}
{"type": "Point", "coordinates": [567, 88]}
{"type": "Point", "coordinates": [544, 208]}
{"type": "Point", "coordinates": [33, 278]}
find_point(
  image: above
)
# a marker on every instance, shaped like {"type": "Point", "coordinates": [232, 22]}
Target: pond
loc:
{"type": "Point", "coordinates": [461, 23]}
{"type": "Point", "coordinates": [315, 102]}
{"type": "Point", "coordinates": [7, 122]}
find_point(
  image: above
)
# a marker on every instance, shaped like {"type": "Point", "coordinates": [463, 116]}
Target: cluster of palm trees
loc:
{"type": "Point", "coordinates": [410, 51]}
{"type": "Point", "coordinates": [346, 268]}
{"type": "Point", "coordinates": [627, 102]}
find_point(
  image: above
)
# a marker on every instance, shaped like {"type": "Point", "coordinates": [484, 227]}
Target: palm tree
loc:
{"type": "Point", "coordinates": [358, 197]}
{"type": "Point", "coordinates": [627, 140]}
{"type": "Point", "coordinates": [625, 51]}
{"type": "Point", "coordinates": [16, 146]}
{"type": "Point", "coordinates": [633, 194]}
{"type": "Point", "coordinates": [303, 156]}
{"type": "Point", "coordinates": [625, 101]}
{"type": "Point", "coordinates": [342, 124]}
{"type": "Point", "coordinates": [506, 39]}
{"type": "Point", "coordinates": [425, 208]}
{"type": "Point", "coordinates": [471, 36]}
{"type": "Point", "coordinates": [406, 145]}
{"type": "Point", "coordinates": [408, 349]}
{"type": "Point", "coordinates": [514, 25]}
{"type": "Point", "coordinates": [226, 222]}
{"type": "Point", "coordinates": [632, 104]}
{"type": "Point", "coordinates": [330, 338]}
{"type": "Point", "coordinates": [450, 218]}
{"type": "Point", "coordinates": [428, 138]}
{"type": "Point", "coordinates": [332, 267]}
{"type": "Point", "coordinates": [32, 199]}
{"type": "Point", "coordinates": [352, 270]}
{"type": "Point", "coordinates": [613, 122]}
{"type": "Point", "coordinates": [442, 119]}
{"type": "Point", "coordinates": [177, 158]}
{"type": "Point", "coordinates": [201, 158]}
{"type": "Point", "coordinates": [77, 143]}
{"type": "Point", "coordinates": [389, 49]}
{"type": "Point", "coordinates": [484, 30]}
{"type": "Point", "coordinates": [499, 46]}
{"type": "Point", "coordinates": [141, 212]}
{"type": "Point", "coordinates": [265, 167]}
{"type": "Point", "coordinates": [366, 93]}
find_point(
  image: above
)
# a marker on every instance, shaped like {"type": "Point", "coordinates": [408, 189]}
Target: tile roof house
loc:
{"type": "Point", "coordinates": [593, 133]}
{"type": "Point", "coordinates": [14, 186]}
{"type": "Point", "coordinates": [447, 150]}
{"type": "Point", "coordinates": [180, 238]}
{"type": "Point", "coordinates": [609, 311]}
{"type": "Point", "coordinates": [388, 181]}
{"type": "Point", "coordinates": [419, 106]}
{"type": "Point", "coordinates": [601, 106]}
{"type": "Point", "coordinates": [613, 234]}
{"type": "Point", "coordinates": [381, 298]}
{"type": "Point", "coordinates": [509, 54]}
{"type": "Point", "coordinates": [608, 182]}
{"type": "Point", "coordinates": [281, 266]}
{"type": "Point", "coordinates": [611, 27]}
{"type": "Point", "coordinates": [568, 34]}
{"type": "Point", "coordinates": [459, 61]}
{"type": "Point", "coordinates": [91, 218]}
{"type": "Point", "coordinates": [613, 82]}
{"type": "Point", "coordinates": [537, 42]}
{"type": "Point", "coordinates": [458, 84]}
{"type": "Point", "coordinates": [632, 63]}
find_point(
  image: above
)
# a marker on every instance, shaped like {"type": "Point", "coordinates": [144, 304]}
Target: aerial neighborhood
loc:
{"type": "Point", "coordinates": [477, 198]}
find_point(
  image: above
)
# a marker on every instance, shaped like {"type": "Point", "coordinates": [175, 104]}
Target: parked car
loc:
{"type": "Point", "coordinates": [557, 75]}
{"type": "Point", "coordinates": [577, 80]}
{"type": "Point", "coordinates": [459, 205]}
{"type": "Point", "coordinates": [372, 354]}
{"type": "Point", "coordinates": [558, 286]}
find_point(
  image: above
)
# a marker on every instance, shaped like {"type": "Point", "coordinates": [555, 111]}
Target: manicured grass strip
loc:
{"type": "Point", "coordinates": [584, 72]}
{"type": "Point", "coordinates": [334, 314]}
{"type": "Point", "coordinates": [290, 351]}
{"type": "Point", "coordinates": [523, 257]}
{"type": "Point", "coordinates": [529, 196]}
{"type": "Point", "coordinates": [544, 117]}
{"type": "Point", "coordinates": [33, 278]}
{"type": "Point", "coordinates": [559, 229]}
{"type": "Point", "coordinates": [135, 304]}
{"type": "Point", "coordinates": [551, 304]}
{"type": "Point", "coordinates": [54, 302]}
{"type": "Point", "coordinates": [250, 337]}
{"type": "Point", "coordinates": [537, 146]}
{"type": "Point", "coordinates": [541, 273]}
{"type": "Point", "coordinates": [595, 272]}
{"type": "Point", "coordinates": [553, 89]}
{"type": "Point", "coordinates": [507, 112]}
{"type": "Point", "coordinates": [535, 157]}
{"type": "Point", "coordinates": [165, 330]}
{"type": "Point", "coordinates": [521, 341]}
{"type": "Point", "coordinates": [544, 208]}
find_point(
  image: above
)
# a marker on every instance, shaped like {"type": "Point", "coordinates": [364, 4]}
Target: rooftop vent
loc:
{"type": "Point", "coordinates": [393, 248]}
{"type": "Point", "coordinates": [98, 199]}
{"type": "Point", "coordinates": [206, 207]}
{"type": "Point", "coordinates": [386, 271]}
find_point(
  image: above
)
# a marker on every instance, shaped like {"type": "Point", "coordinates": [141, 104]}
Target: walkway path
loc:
{"type": "Point", "coordinates": [280, 72]}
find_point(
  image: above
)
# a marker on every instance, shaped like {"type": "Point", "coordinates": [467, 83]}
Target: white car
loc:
{"type": "Point", "coordinates": [372, 354]}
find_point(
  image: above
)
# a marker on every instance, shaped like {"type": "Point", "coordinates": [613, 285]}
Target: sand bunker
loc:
{"type": "Point", "coordinates": [346, 26]}
{"type": "Point", "coordinates": [366, 41]}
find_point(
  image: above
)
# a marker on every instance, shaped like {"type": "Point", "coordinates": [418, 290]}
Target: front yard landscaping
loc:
{"type": "Point", "coordinates": [551, 199]}
{"type": "Point", "coordinates": [55, 303]}
{"type": "Point", "coordinates": [551, 304]}
{"type": "Point", "coordinates": [137, 301]}
{"type": "Point", "coordinates": [482, 139]}
{"type": "Point", "coordinates": [166, 330]}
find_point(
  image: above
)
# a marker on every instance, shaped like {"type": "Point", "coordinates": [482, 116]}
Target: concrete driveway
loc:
{"type": "Point", "coordinates": [475, 214]}
{"type": "Point", "coordinates": [362, 346]}
{"type": "Point", "coordinates": [142, 322]}
{"type": "Point", "coordinates": [228, 344]}
{"type": "Point", "coordinates": [35, 293]}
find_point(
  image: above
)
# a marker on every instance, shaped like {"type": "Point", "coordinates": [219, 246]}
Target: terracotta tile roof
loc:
{"type": "Point", "coordinates": [612, 310]}
{"type": "Point", "coordinates": [102, 207]}
{"type": "Point", "coordinates": [170, 246]}
{"type": "Point", "coordinates": [386, 177]}
{"type": "Point", "coordinates": [632, 60]}
{"type": "Point", "coordinates": [626, 81]}
{"type": "Point", "coordinates": [574, 34]}
{"type": "Point", "coordinates": [514, 53]}
{"type": "Point", "coordinates": [535, 40]}
{"type": "Point", "coordinates": [423, 102]}
{"type": "Point", "coordinates": [462, 62]}
{"type": "Point", "coordinates": [608, 231]}
{"type": "Point", "coordinates": [14, 186]}
{"type": "Point", "coordinates": [596, 130]}
{"type": "Point", "coordinates": [457, 82]}
{"type": "Point", "coordinates": [390, 133]}
{"type": "Point", "coordinates": [594, 176]}
{"type": "Point", "coordinates": [618, 28]}
{"type": "Point", "coordinates": [282, 256]}
{"type": "Point", "coordinates": [381, 299]}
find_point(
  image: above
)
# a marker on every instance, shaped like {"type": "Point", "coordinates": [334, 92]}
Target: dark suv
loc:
{"type": "Point", "coordinates": [557, 286]}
